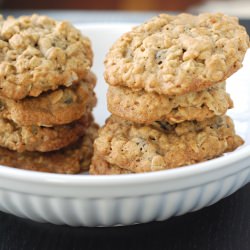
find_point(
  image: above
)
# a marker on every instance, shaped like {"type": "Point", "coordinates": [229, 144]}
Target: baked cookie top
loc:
{"type": "Point", "coordinates": [143, 107]}
{"type": "Point", "coordinates": [38, 54]}
{"type": "Point", "coordinates": [58, 107]}
{"type": "Point", "coordinates": [43, 139]}
{"type": "Point", "coordinates": [174, 55]}
{"type": "Point", "coordinates": [140, 148]}
{"type": "Point", "coordinates": [70, 160]}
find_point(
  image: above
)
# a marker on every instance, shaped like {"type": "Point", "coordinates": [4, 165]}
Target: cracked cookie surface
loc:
{"type": "Point", "coordinates": [39, 54]}
{"type": "Point", "coordinates": [174, 55]}
{"type": "Point", "coordinates": [139, 148]}
{"type": "Point", "coordinates": [70, 160]}
{"type": "Point", "coordinates": [58, 107]}
{"type": "Point", "coordinates": [143, 107]}
{"type": "Point", "coordinates": [43, 139]}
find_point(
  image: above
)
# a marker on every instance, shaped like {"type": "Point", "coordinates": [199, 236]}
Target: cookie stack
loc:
{"type": "Point", "coordinates": [46, 95]}
{"type": "Point", "coordinates": [167, 94]}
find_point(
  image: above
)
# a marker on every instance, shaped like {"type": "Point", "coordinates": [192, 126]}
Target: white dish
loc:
{"type": "Point", "coordinates": [84, 200]}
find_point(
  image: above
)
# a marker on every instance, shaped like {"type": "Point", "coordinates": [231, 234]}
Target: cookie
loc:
{"type": "Point", "coordinates": [144, 107]}
{"type": "Point", "coordinates": [35, 138]}
{"type": "Point", "coordinates": [102, 167]}
{"type": "Point", "coordinates": [173, 55]}
{"type": "Point", "coordinates": [58, 107]}
{"type": "Point", "coordinates": [139, 148]}
{"type": "Point", "coordinates": [70, 160]}
{"type": "Point", "coordinates": [39, 54]}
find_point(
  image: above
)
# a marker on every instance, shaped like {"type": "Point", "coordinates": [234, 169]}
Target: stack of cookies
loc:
{"type": "Point", "coordinates": [167, 94]}
{"type": "Point", "coordinates": [46, 95]}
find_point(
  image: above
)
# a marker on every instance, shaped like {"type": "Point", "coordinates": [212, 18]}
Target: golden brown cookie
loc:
{"type": "Point", "coordinates": [71, 160]}
{"type": "Point", "coordinates": [39, 54]}
{"type": "Point", "coordinates": [58, 107]}
{"type": "Point", "coordinates": [102, 167]}
{"type": "Point", "coordinates": [173, 55]}
{"type": "Point", "coordinates": [143, 107]}
{"type": "Point", "coordinates": [35, 138]}
{"type": "Point", "coordinates": [139, 148]}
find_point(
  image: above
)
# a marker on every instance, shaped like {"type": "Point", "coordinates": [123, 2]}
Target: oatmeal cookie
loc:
{"type": "Point", "coordinates": [173, 55]}
{"type": "Point", "coordinates": [58, 107]}
{"type": "Point", "coordinates": [139, 148]}
{"type": "Point", "coordinates": [70, 160]}
{"type": "Point", "coordinates": [35, 138]}
{"type": "Point", "coordinates": [102, 167]}
{"type": "Point", "coordinates": [39, 54]}
{"type": "Point", "coordinates": [143, 107]}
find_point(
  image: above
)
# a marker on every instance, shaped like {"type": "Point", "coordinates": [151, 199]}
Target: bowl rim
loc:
{"type": "Point", "coordinates": [202, 168]}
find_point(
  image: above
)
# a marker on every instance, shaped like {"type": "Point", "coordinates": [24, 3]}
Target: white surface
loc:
{"type": "Point", "coordinates": [84, 200]}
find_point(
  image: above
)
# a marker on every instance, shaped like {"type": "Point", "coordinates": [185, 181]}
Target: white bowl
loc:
{"type": "Point", "coordinates": [83, 200]}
